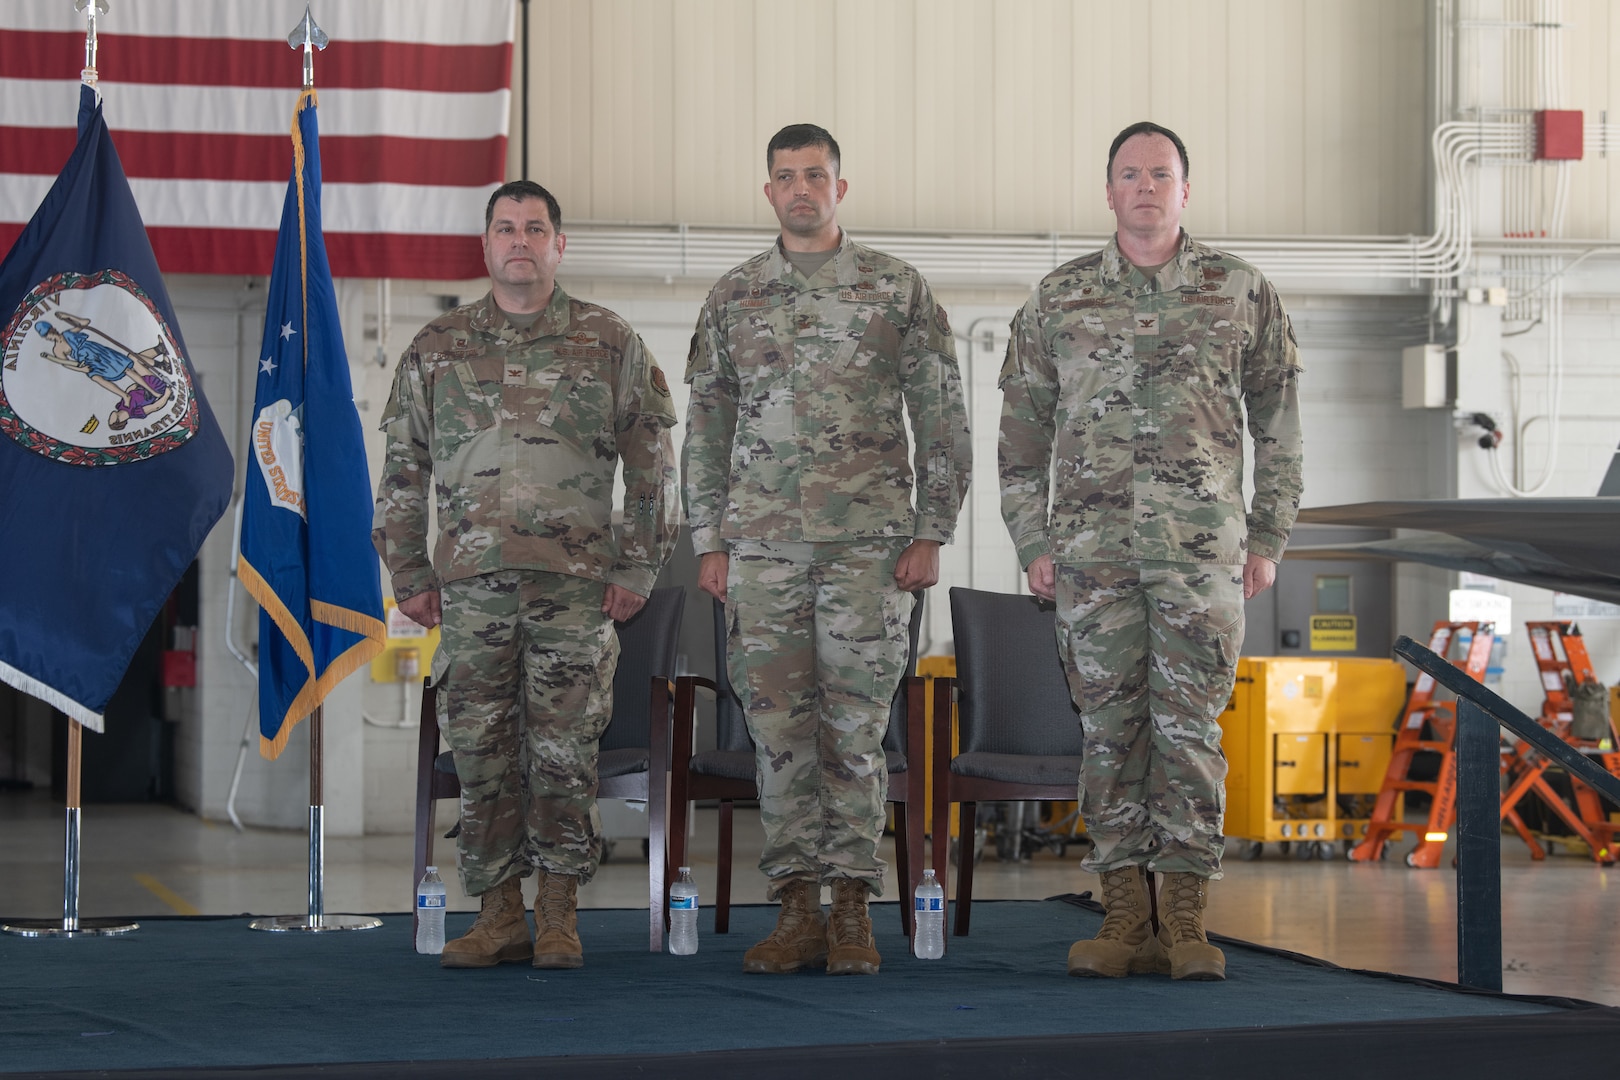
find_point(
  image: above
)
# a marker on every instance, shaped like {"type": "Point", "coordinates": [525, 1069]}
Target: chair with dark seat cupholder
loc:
{"type": "Point", "coordinates": [1018, 731]}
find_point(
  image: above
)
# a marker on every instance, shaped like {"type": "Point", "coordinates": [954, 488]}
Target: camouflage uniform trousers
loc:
{"type": "Point", "coordinates": [815, 650]}
{"type": "Point", "coordinates": [525, 674]}
{"type": "Point", "coordinates": [1150, 650]}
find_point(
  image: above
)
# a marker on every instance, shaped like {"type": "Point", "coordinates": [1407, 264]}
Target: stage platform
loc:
{"type": "Point", "coordinates": [208, 997]}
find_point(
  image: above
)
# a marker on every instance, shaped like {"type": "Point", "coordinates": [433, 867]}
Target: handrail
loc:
{"type": "Point", "coordinates": [1480, 712]}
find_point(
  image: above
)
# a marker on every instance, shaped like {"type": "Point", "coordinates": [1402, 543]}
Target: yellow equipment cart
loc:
{"type": "Point", "coordinates": [1307, 743]}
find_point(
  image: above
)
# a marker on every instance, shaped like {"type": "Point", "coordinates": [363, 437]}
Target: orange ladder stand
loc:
{"type": "Point", "coordinates": [1440, 717]}
{"type": "Point", "coordinates": [1563, 663]}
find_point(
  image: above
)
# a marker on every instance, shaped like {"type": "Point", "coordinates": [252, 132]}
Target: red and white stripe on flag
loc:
{"type": "Point", "coordinates": [415, 99]}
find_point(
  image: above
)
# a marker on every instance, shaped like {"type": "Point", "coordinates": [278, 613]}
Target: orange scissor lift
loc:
{"type": "Point", "coordinates": [1563, 663]}
{"type": "Point", "coordinates": [1386, 822]}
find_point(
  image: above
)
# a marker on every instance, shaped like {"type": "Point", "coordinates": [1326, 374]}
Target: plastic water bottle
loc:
{"type": "Point", "coordinates": [683, 914]}
{"type": "Point", "coordinates": [928, 919]}
{"type": "Point", "coordinates": [430, 913]}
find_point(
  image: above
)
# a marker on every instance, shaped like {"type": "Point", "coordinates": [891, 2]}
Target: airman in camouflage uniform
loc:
{"type": "Point", "coordinates": [518, 408]}
{"type": "Point", "coordinates": [798, 493]}
{"type": "Point", "coordinates": [1125, 388]}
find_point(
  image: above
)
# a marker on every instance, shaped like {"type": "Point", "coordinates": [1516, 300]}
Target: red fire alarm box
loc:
{"type": "Point", "coordinates": [1559, 135]}
{"type": "Point", "coordinates": [179, 669]}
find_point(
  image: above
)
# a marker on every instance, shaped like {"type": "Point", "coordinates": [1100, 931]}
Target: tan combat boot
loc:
{"type": "Point", "coordinates": [800, 937]}
{"type": "Point", "coordinates": [1125, 944]}
{"type": "Point", "coordinates": [850, 948]}
{"type": "Point", "coordinates": [1181, 929]}
{"type": "Point", "coordinates": [556, 922]}
{"type": "Point", "coordinates": [499, 935]}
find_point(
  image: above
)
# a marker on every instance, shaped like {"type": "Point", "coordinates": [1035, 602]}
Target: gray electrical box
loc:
{"type": "Point", "coordinates": [1428, 377]}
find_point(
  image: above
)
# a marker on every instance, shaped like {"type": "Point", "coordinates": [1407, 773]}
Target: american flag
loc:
{"type": "Point", "coordinates": [415, 105]}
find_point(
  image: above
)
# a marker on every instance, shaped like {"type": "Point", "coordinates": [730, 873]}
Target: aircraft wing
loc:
{"type": "Point", "coordinates": [1569, 545]}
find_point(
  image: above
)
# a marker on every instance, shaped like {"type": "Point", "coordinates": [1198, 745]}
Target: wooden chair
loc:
{"type": "Point", "coordinates": [1019, 731]}
{"type": "Point", "coordinates": [634, 761]}
{"type": "Point", "coordinates": [728, 772]}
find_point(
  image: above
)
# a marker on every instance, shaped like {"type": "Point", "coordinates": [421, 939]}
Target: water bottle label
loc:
{"type": "Point", "coordinates": [929, 903]}
{"type": "Point", "coordinates": [683, 903]}
{"type": "Point", "coordinates": [430, 900]}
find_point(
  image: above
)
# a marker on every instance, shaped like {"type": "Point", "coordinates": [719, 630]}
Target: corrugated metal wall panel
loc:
{"type": "Point", "coordinates": [876, 44]}
{"type": "Point", "coordinates": [1591, 52]}
{"type": "Point", "coordinates": [954, 121]}
{"type": "Point", "coordinates": [633, 75]}
{"type": "Point", "coordinates": [1033, 125]}
{"type": "Point", "coordinates": [562, 127]}
{"type": "Point", "coordinates": [984, 114]}
{"type": "Point", "coordinates": [1264, 73]}
{"type": "Point", "coordinates": [715, 173]}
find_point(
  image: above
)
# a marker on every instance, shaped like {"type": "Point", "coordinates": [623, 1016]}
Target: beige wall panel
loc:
{"type": "Point", "coordinates": [1033, 125]}
{"type": "Point", "coordinates": [717, 172]}
{"type": "Point", "coordinates": [796, 52]}
{"type": "Point", "coordinates": [877, 60]}
{"type": "Point", "coordinates": [1366, 137]}
{"type": "Point", "coordinates": [1604, 60]}
{"type": "Point", "coordinates": [633, 108]}
{"type": "Point", "coordinates": [954, 120]}
{"type": "Point", "coordinates": [1111, 78]}
{"type": "Point", "coordinates": [1590, 52]}
{"type": "Point", "coordinates": [985, 114]}
{"type": "Point", "coordinates": [561, 127]}
{"type": "Point", "coordinates": [1189, 95]}
{"type": "Point", "coordinates": [1264, 72]}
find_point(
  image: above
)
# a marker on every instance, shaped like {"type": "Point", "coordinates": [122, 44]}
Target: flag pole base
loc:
{"type": "Point", "coordinates": [314, 924]}
{"type": "Point", "coordinates": [70, 925]}
{"type": "Point", "coordinates": [42, 928]}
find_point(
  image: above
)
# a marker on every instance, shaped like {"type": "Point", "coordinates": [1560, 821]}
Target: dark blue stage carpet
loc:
{"type": "Point", "coordinates": [210, 993]}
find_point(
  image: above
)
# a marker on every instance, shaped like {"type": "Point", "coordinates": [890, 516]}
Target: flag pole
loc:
{"type": "Point", "coordinates": [317, 823]}
{"type": "Point", "coordinates": [71, 925]}
{"type": "Point", "coordinates": [309, 37]}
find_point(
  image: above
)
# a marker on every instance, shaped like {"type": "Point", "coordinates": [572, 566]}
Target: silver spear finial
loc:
{"type": "Point", "coordinates": [91, 10]}
{"type": "Point", "coordinates": [307, 36]}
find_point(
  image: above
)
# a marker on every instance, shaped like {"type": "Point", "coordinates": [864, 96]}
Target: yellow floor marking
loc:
{"type": "Point", "coordinates": [176, 902]}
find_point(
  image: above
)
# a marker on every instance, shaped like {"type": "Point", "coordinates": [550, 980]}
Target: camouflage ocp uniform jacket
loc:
{"type": "Point", "coordinates": [1130, 394]}
{"type": "Point", "coordinates": [521, 431]}
{"type": "Point", "coordinates": [795, 430]}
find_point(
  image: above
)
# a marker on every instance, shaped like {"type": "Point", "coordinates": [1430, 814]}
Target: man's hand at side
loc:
{"type": "Point", "coordinates": [1258, 574]}
{"type": "Point", "coordinates": [423, 608]}
{"type": "Point", "coordinates": [713, 567]}
{"type": "Point", "coordinates": [619, 603]}
{"type": "Point", "coordinates": [1043, 577]}
{"type": "Point", "coordinates": [918, 566]}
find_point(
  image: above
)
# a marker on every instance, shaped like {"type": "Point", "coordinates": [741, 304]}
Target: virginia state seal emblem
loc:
{"type": "Point", "coordinates": [90, 373]}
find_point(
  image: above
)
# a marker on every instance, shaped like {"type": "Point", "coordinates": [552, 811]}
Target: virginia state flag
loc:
{"type": "Point", "coordinates": [112, 468]}
{"type": "Point", "coordinates": [306, 516]}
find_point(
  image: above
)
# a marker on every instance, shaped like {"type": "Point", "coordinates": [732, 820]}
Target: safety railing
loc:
{"type": "Point", "coordinates": [1480, 713]}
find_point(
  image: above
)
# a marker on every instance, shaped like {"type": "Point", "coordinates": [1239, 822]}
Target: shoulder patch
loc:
{"type": "Point", "coordinates": [944, 323]}
{"type": "Point", "coordinates": [659, 383]}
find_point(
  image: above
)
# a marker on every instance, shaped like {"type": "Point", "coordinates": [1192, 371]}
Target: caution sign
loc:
{"type": "Point", "coordinates": [407, 654]}
{"type": "Point", "coordinates": [1333, 633]}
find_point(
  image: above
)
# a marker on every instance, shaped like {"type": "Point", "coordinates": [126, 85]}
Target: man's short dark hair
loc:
{"type": "Point", "coordinates": [799, 136]}
{"type": "Point", "coordinates": [1146, 127]}
{"type": "Point", "coordinates": [520, 190]}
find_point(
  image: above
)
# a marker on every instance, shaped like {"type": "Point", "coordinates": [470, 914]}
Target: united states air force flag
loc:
{"type": "Point", "coordinates": [306, 517]}
{"type": "Point", "coordinates": [112, 468]}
